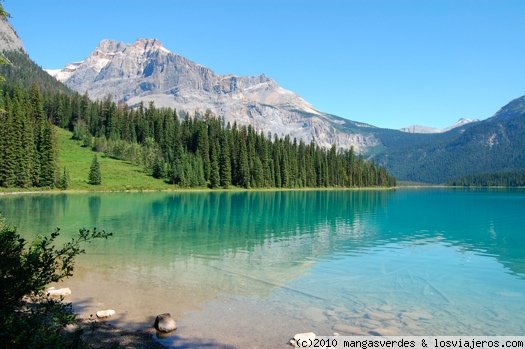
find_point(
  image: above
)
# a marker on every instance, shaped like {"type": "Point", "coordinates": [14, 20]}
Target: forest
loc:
{"type": "Point", "coordinates": [198, 150]}
{"type": "Point", "coordinates": [502, 179]}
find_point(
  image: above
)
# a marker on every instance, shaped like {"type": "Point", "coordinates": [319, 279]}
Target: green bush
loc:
{"type": "Point", "coordinates": [29, 318]}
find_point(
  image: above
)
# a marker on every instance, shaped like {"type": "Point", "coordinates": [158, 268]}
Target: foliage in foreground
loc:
{"type": "Point", "coordinates": [28, 317]}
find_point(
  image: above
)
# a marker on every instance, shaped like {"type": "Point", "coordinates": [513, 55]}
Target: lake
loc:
{"type": "Point", "coordinates": [251, 269]}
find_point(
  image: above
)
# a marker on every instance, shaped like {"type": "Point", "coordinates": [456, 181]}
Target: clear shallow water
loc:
{"type": "Point", "coordinates": [251, 269]}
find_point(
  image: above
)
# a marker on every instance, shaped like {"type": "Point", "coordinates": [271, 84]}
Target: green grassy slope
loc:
{"type": "Point", "coordinates": [116, 174]}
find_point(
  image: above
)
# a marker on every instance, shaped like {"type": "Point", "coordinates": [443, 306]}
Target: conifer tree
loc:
{"type": "Point", "coordinates": [157, 169]}
{"type": "Point", "coordinates": [95, 177]}
{"type": "Point", "coordinates": [225, 166]}
{"type": "Point", "coordinates": [244, 167]}
{"type": "Point", "coordinates": [215, 178]}
{"type": "Point", "coordinates": [65, 180]}
{"type": "Point", "coordinates": [203, 147]}
{"type": "Point", "coordinates": [7, 155]}
{"type": "Point", "coordinates": [47, 154]}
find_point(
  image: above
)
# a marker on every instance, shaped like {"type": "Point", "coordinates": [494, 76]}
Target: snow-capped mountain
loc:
{"type": "Point", "coordinates": [427, 129]}
{"type": "Point", "coordinates": [146, 71]}
{"type": "Point", "coordinates": [461, 122]}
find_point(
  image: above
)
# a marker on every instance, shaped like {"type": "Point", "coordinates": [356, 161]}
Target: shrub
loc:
{"type": "Point", "coordinates": [28, 317]}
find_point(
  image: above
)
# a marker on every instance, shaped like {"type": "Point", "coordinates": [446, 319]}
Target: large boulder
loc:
{"type": "Point", "coordinates": [165, 323]}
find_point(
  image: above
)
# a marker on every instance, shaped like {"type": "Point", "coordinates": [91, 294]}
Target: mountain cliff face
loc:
{"type": "Point", "coordinates": [9, 40]}
{"type": "Point", "coordinates": [146, 71]}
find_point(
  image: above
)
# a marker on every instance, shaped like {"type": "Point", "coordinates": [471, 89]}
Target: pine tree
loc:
{"type": "Point", "coordinates": [203, 147]}
{"type": "Point", "coordinates": [95, 177]}
{"type": "Point", "coordinates": [225, 166]}
{"type": "Point", "coordinates": [244, 167]}
{"type": "Point", "coordinates": [158, 168]}
{"type": "Point", "coordinates": [215, 178]}
{"type": "Point", "coordinates": [65, 180]}
{"type": "Point", "coordinates": [23, 141]}
{"type": "Point", "coordinates": [47, 158]}
{"type": "Point", "coordinates": [8, 168]}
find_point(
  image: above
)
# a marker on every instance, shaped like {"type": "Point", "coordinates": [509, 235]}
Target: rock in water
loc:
{"type": "Point", "coordinates": [165, 323]}
{"type": "Point", "coordinates": [105, 313]}
{"type": "Point", "coordinates": [53, 292]}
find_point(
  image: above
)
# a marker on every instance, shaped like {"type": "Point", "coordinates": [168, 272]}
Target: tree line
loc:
{"type": "Point", "coordinates": [503, 179]}
{"type": "Point", "coordinates": [28, 150]}
{"type": "Point", "coordinates": [187, 151]}
{"type": "Point", "coordinates": [200, 150]}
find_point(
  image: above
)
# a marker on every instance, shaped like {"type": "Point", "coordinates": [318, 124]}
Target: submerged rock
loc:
{"type": "Point", "coordinates": [105, 313]}
{"type": "Point", "coordinates": [53, 292]}
{"type": "Point", "coordinates": [165, 323]}
{"type": "Point", "coordinates": [348, 329]}
{"type": "Point", "coordinates": [380, 316]}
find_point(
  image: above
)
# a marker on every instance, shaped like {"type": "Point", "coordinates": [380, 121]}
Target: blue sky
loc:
{"type": "Point", "coordinates": [390, 63]}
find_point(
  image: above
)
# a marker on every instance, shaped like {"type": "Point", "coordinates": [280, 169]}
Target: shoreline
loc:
{"type": "Point", "coordinates": [191, 190]}
{"type": "Point", "coordinates": [16, 191]}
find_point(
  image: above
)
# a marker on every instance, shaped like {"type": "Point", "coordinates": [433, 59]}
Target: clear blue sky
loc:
{"type": "Point", "coordinates": [391, 63]}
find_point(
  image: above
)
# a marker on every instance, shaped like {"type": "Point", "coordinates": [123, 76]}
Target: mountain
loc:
{"type": "Point", "coordinates": [9, 40]}
{"type": "Point", "coordinates": [420, 129]}
{"type": "Point", "coordinates": [427, 129]}
{"type": "Point", "coordinates": [146, 71]}
{"type": "Point", "coordinates": [496, 144]}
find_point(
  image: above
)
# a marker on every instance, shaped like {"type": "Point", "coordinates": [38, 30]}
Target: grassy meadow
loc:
{"type": "Point", "coordinates": [116, 174]}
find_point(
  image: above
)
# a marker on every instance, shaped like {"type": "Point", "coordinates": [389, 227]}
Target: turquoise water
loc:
{"type": "Point", "coordinates": [251, 269]}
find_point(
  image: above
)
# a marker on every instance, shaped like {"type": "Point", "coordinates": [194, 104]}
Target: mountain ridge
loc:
{"type": "Point", "coordinates": [429, 129]}
{"type": "Point", "coordinates": [146, 71]}
{"type": "Point", "coordinates": [491, 145]}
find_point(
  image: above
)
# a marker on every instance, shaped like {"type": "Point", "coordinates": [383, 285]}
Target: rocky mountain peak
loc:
{"type": "Point", "coordinates": [9, 40]}
{"type": "Point", "coordinates": [149, 45]}
{"type": "Point", "coordinates": [110, 46]}
{"type": "Point", "coordinates": [146, 71]}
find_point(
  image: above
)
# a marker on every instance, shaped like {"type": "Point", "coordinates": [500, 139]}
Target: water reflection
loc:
{"type": "Point", "coordinates": [391, 249]}
{"type": "Point", "coordinates": [326, 223]}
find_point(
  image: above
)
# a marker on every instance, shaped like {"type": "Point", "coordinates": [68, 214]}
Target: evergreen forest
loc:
{"type": "Point", "coordinates": [185, 150]}
{"type": "Point", "coordinates": [503, 179]}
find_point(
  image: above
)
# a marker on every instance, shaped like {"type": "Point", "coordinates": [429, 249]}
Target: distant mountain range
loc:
{"type": "Point", "coordinates": [146, 71]}
{"type": "Point", "coordinates": [427, 129]}
{"type": "Point", "coordinates": [494, 145]}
